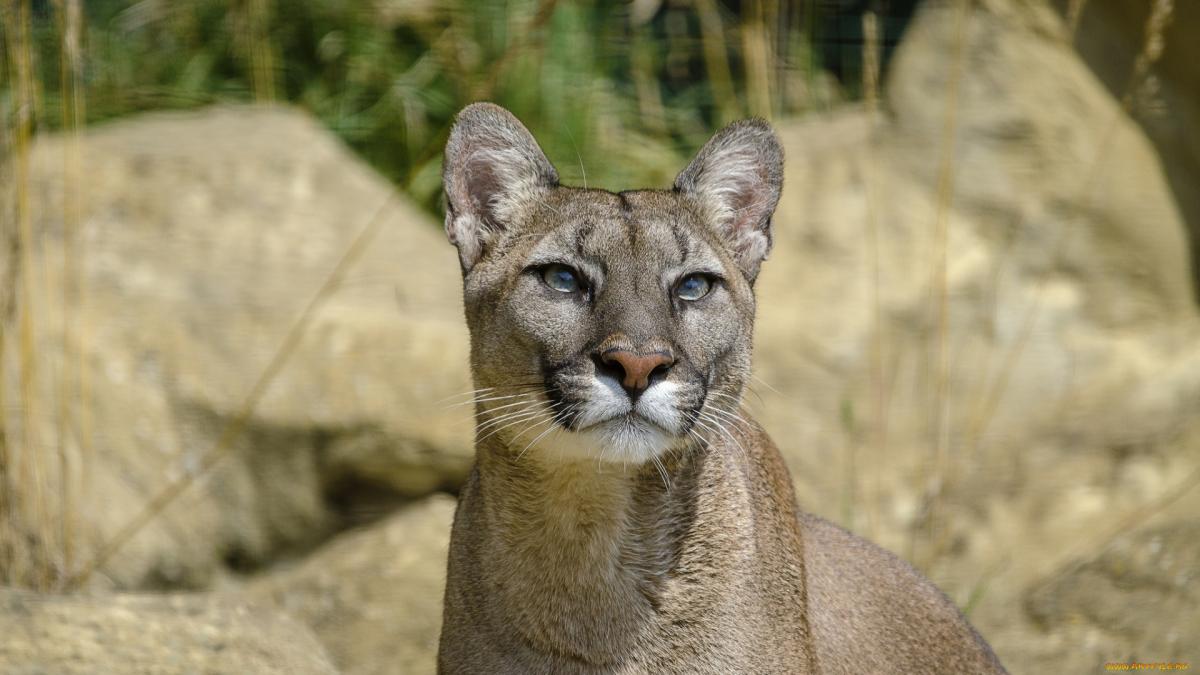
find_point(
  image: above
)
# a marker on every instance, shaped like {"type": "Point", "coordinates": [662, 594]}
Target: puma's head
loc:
{"type": "Point", "coordinates": [605, 323]}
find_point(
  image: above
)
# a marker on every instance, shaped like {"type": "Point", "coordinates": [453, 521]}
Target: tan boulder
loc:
{"type": "Point", "coordinates": [1066, 275]}
{"type": "Point", "coordinates": [373, 596]}
{"type": "Point", "coordinates": [995, 420]}
{"type": "Point", "coordinates": [151, 635]}
{"type": "Point", "coordinates": [203, 237]}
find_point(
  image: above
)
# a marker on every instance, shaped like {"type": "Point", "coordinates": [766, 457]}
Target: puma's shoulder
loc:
{"type": "Point", "coordinates": [872, 612]}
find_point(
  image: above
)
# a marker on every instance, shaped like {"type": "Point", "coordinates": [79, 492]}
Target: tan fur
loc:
{"type": "Point", "coordinates": [645, 524]}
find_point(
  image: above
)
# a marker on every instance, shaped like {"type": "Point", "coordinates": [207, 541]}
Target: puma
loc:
{"type": "Point", "coordinates": [623, 516]}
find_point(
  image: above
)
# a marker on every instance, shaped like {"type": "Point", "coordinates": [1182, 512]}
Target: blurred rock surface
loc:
{"type": "Point", "coordinates": [203, 237]}
{"type": "Point", "coordinates": [373, 596]}
{"type": "Point", "coordinates": [1136, 601]}
{"type": "Point", "coordinates": [151, 635]}
{"type": "Point", "coordinates": [993, 423]}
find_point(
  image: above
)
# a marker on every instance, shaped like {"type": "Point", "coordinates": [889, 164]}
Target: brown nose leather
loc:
{"type": "Point", "coordinates": [636, 368]}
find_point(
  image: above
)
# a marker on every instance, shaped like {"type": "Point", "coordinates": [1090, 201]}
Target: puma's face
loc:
{"type": "Point", "coordinates": [606, 326]}
{"type": "Point", "coordinates": [622, 310]}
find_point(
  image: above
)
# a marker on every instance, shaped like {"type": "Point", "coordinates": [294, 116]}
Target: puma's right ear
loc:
{"type": "Point", "coordinates": [493, 170]}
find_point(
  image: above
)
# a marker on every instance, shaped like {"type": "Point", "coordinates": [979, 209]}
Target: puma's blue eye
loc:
{"type": "Point", "coordinates": [561, 278]}
{"type": "Point", "coordinates": [693, 287]}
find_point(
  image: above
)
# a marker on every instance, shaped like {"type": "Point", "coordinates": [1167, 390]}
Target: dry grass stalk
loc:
{"type": "Point", "coordinates": [716, 60]}
{"type": "Point", "coordinates": [940, 418]}
{"type": "Point", "coordinates": [1092, 547]}
{"type": "Point", "coordinates": [756, 54]}
{"type": "Point", "coordinates": [879, 389]}
{"type": "Point", "coordinates": [1152, 48]}
{"type": "Point", "coordinates": [70, 15]}
{"type": "Point", "coordinates": [30, 514]}
{"type": "Point", "coordinates": [8, 268]}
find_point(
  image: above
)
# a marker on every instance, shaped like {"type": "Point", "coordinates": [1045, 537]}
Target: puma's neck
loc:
{"type": "Point", "coordinates": [577, 552]}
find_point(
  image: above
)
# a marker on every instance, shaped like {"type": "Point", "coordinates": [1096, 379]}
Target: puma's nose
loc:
{"type": "Point", "coordinates": [634, 371]}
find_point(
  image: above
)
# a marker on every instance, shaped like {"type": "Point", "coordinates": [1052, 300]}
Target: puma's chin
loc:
{"type": "Point", "coordinates": [624, 439]}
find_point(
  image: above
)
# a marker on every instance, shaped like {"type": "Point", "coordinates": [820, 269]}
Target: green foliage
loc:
{"type": "Point", "coordinates": [616, 99]}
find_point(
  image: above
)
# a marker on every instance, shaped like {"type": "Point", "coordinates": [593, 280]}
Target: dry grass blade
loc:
{"type": "Point", "coordinates": [234, 429]}
{"type": "Point", "coordinates": [940, 280]}
{"type": "Point", "coordinates": [716, 59]}
{"type": "Point", "coordinates": [70, 15]}
{"type": "Point", "coordinates": [870, 83]}
{"type": "Point", "coordinates": [27, 487]}
{"type": "Point", "coordinates": [1152, 48]}
{"type": "Point", "coordinates": [756, 53]}
{"type": "Point", "coordinates": [8, 285]}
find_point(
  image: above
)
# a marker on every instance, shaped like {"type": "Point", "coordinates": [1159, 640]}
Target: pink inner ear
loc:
{"type": "Point", "coordinates": [748, 205]}
{"type": "Point", "coordinates": [482, 185]}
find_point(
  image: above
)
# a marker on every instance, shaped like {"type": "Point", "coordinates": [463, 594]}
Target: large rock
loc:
{"type": "Point", "coordinates": [992, 421]}
{"type": "Point", "coordinates": [203, 237]}
{"type": "Point", "coordinates": [150, 635]}
{"type": "Point", "coordinates": [1066, 286]}
{"type": "Point", "coordinates": [373, 596]}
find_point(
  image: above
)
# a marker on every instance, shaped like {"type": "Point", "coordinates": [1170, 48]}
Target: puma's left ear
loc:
{"type": "Point", "coordinates": [736, 180]}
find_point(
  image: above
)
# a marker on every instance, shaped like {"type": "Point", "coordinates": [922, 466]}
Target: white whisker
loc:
{"type": "Point", "coordinates": [721, 427]}
{"type": "Point", "coordinates": [515, 419]}
{"type": "Point", "coordinates": [491, 398]}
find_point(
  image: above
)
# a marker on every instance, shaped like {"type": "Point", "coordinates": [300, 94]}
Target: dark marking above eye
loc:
{"type": "Point", "coordinates": [681, 242]}
{"type": "Point", "coordinates": [581, 234]}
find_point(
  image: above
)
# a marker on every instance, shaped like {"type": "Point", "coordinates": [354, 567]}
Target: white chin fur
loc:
{"type": "Point", "coordinates": [620, 441]}
{"type": "Point", "coordinates": [609, 434]}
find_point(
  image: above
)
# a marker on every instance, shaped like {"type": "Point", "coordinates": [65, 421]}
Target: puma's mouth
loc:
{"type": "Point", "coordinates": [631, 422]}
{"type": "Point", "coordinates": [601, 416]}
{"type": "Point", "coordinates": [600, 422]}
{"type": "Point", "coordinates": [629, 439]}
{"type": "Point", "coordinates": [658, 410]}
